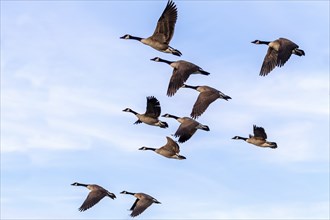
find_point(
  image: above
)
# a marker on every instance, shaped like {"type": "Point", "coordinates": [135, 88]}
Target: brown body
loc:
{"type": "Point", "coordinates": [206, 96]}
{"type": "Point", "coordinates": [258, 139]}
{"type": "Point", "coordinates": [187, 128]}
{"type": "Point", "coordinates": [181, 72]}
{"type": "Point", "coordinates": [163, 33]}
{"type": "Point", "coordinates": [95, 195]}
{"type": "Point", "coordinates": [151, 115]}
{"type": "Point", "coordinates": [142, 202]}
{"type": "Point", "coordinates": [170, 150]}
{"type": "Point", "coordinates": [278, 53]}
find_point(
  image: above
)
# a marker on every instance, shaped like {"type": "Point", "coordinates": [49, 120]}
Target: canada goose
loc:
{"type": "Point", "coordinates": [181, 72]}
{"type": "Point", "coordinates": [279, 51]}
{"type": "Point", "coordinates": [95, 195]}
{"type": "Point", "coordinates": [206, 96]}
{"type": "Point", "coordinates": [259, 138]}
{"type": "Point", "coordinates": [151, 115]}
{"type": "Point", "coordinates": [187, 128]}
{"type": "Point", "coordinates": [142, 202]}
{"type": "Point", "coordinates": [170, 150]}
{"type": "Point", "coordinates": [164, 31]}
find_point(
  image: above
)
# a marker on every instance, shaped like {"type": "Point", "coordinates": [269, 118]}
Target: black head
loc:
{"type": "Point", "coordinates": [235, 138]}
{"type": "Point", "coordinates": [156, 59]}
{"type": "Point", "coordinates": [256, 42]}
{"type": "Point", "coordinates": [143, 148]}
{"type": "Point", "coordinates": [75, 184]}
{"type": "Point", "coordinates": [126, 36]}
{"type": "Point", "coordinates": [127, 110]}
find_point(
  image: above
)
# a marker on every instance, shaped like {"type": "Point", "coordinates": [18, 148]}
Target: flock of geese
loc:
{"type": "Point", "coordinates": [278, 53]}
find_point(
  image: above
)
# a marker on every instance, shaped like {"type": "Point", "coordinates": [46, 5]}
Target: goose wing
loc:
{"type": "Point", "coordinates": [186, 130]}
{"type": "Point", "coordinates": [171, 145]}
{"type": "Point", "coordinates": [270, 62]}
{"type": "Point", "coordinates": [203, 101]}
{"type": "Point", "coordinates": [153, 107]}
{"type": "Point", "coordinates": [165, 26]}
{"type": "Point", "coordinates": [139, 206]}
{"type": "Point", "coordinates": [285, 51]}
{"type": "Point", "coordinates": [179, 76]}
{"type": "Point", "coordinates": [93, 197]}
{"type": "Point", "coordinates": [259, 132]}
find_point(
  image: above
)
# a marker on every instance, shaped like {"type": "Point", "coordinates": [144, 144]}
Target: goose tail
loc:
{"type": "Point", "coordinates": [299, 52]}
{"type": "Point", "coordinates": [174, 51]}
{"type": "Point", "coordinates": [204, 72]}
{"type": "Point", "coordinates": [163, 124]}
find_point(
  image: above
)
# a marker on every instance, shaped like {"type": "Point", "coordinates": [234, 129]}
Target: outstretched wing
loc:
{"type": "Point", "coordinates": [153, 107]}
{"type": "Point", "coordinates": [171, 145]}
{"type": "Point", "coordinates": [165, 26]}
{"type": "Point", "coordinates": [203, 101]}
{"type": "Point", "coordinates": [259, 132]}
{"type": "Point", "coordinates": [285, 51]}
{"type": "Point", "coordinates": [92, 198]}
{"type": "Point", "coordinates": [139, 206]}
{"type": "Point", "coordinates": [186, 130]}
{"type": "Point", "coordinates": [180, 75]}
{"type": "Point", "coordinates": [270, 62]}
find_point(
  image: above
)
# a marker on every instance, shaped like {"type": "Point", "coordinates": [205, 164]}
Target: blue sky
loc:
{"type": "Point", "coordinates": [66, 77]}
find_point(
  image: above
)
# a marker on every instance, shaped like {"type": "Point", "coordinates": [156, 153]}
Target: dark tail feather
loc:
{"type": "Point", "coordinates": [225, 97]}
{"type": "Point", "coordinates": [299, 52]}
{"type": "Point", "coordinates": [204, 72]}
{"type": "Point", "coordinates": [274, 145]}
{"type": "Point", "coordinates": [163, 124]}
{"type": "Point", "coordinates": [111, 195]}
{"type": "Point", "coordinates": [174, 51]}
{"type": "Point", "coordinates": [180, 157]}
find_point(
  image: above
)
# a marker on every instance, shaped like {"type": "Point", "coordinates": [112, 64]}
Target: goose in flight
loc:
{"type": "Point", "coordinates": [163, 33]}
{"type": "Point", "coordinates": [206, 96]}
{"type": "Point", "coordinates": [279, 51]}
{"type": "Point", "coordinates": [142, 202]}
{"type": "Point", "coordinates": [151, 115]}
{"type": "Point", "coordinates": [187, 128]}
{"type": "Point", "coordinates": [181, 71]}
{"type": "Point", "coordinates": [95, 195]}
{"type": "Point", "coordinates": [258, 138]}
{"type": "Point", "coordinates": [170, 150]}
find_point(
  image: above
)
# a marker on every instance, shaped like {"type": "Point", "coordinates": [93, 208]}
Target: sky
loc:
{"type": "Point", "coordinates": [66, 77]}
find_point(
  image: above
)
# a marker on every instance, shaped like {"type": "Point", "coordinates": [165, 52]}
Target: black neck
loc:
{"type": "Point", "coordinates": [149, 148]}
{"type": "Point", "coordinates": [129, 193]}
{"type": "Point", "coordinates": [134, 112]}
{"type": "Point", "coordinates": [172, 116]}
{"type": "Point", "coordinates": [135, 38]}
{"type": "Point", "coordinates": [241, 138]}
{"type": "Point", "coordinates": [191, 87]}
{"type": "Point", "coordinates": [264, 42]}
{"type": "Point", "coordinates": [81, 184]}
{"type": "Point", "coordinates": [165, 61]}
